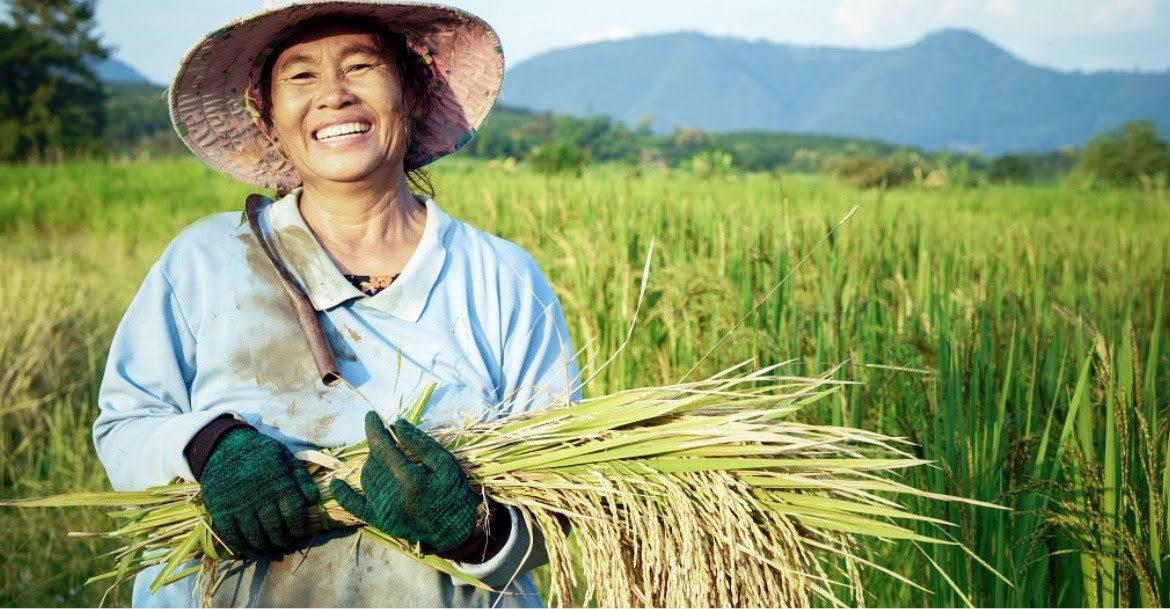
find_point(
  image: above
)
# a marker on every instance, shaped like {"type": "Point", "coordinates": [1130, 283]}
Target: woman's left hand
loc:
{"type": "Point", "coordinates": [427, 499]}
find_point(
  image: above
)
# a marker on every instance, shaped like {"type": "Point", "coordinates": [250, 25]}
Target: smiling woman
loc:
{"type": "Point", "coordinates": [225, 362]}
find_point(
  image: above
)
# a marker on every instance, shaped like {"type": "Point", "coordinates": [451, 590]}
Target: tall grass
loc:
{"type": "Point", "coordinates": [1035, 316]}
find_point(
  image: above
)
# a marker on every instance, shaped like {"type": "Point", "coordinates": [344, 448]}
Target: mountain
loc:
{"type": "Point", "coordinates": [112, 70]}
{"type": "Point", "coordinates": [952, 89]}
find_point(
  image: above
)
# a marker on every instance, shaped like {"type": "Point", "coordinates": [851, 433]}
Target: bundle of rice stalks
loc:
{"type": "Point", "coordinates": [697, 494]}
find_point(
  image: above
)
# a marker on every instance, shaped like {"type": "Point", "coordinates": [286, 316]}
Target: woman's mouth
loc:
{"type": "Point", "coordinates": [336, 132]}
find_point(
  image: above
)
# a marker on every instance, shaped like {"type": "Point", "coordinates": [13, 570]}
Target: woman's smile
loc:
{"type": "Point", "coordinates": [342, 132]}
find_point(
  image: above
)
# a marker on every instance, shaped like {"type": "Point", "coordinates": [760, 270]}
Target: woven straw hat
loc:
{"type": "Point", "coordinates": [209, 98]}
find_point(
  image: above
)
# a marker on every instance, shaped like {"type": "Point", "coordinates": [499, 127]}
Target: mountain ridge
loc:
{"type": "Point", "coordinates": [953, 89]}
{"type": "Point", "coordinates": [115, 70]}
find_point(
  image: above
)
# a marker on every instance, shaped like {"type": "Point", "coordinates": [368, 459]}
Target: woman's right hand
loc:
{"type": "Point", "coordinates": [258, 493]}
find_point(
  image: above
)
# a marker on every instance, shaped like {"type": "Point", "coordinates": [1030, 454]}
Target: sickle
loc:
{"type": "Point", "coordinates": [306, 314]}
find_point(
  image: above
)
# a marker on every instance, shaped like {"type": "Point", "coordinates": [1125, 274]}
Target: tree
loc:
{"type": "Point", "coordinates": [1125, 155]}
{"type": "Point", "coordinates": [51, 101]}
{"type": "Point", "coordinates": [557, 157]}
{"type": "Point", "coordinates": [1010, 169]}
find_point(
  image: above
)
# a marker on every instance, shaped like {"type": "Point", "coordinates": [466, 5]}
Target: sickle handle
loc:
{"type": "Point", "coordinates": [306, 314]}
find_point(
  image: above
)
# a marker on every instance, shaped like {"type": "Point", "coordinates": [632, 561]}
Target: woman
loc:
{"type": "Point", "coordinates": [211, 376]}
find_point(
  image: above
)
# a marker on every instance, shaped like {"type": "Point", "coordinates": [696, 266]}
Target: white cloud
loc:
{"type": "Point", "coordinates": [1123, 13]}
{"type": "Point", "coordinates": [613, 32]}
{"type": "Point", "coordinates": [1002, 8]}
{"type": "Point", "coordinates": [955, 7]}
{"type": "Point", "coordinates": [864, 20]}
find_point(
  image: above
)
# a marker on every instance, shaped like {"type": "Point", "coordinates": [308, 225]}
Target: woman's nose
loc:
{"type": "Point", "coordinates": [335, 91]}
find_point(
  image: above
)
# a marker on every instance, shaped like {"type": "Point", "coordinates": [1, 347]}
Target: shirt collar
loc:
{"type": "Point", "coordinates": [324, 284]}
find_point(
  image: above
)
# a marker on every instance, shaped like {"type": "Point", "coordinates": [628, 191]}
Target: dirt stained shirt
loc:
{"type": "Point", "coordinates": [211, 332]}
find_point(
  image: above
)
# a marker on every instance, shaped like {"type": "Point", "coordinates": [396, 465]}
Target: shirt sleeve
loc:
{"type": "Point", "coordinates": [145, 416]}
{"type": "Point", "coordinates": [523, 552]}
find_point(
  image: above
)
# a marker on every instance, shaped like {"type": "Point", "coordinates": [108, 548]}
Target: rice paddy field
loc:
{"type": "Point", "coordinates": [1015, 334]}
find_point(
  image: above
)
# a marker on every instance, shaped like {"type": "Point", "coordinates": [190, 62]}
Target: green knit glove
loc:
{"type": "Point", "coordinates": [258, 493]}
{"type": "Point", "coordinates": [418, 493]}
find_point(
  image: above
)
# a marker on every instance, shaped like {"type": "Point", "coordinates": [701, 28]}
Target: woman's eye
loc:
{"type": "Point", "coordinates": [301, 77]}
{"type": "Point", "coordinates": [358, 67]}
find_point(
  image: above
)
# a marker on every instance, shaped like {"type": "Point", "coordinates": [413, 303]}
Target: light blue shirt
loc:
{"type": "Point", "coordinates": [211, 332]}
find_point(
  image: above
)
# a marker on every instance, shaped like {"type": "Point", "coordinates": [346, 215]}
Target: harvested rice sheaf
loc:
{"type": "Point", "coordinates": [697, 494]}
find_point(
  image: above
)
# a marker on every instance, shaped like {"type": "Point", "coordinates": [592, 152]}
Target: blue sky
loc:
{"type": "Point", "coordinates": [1085, 35]}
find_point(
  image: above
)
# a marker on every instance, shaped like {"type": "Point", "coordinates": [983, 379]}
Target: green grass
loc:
{"type": "Point", "coordinates": [1037, 314]}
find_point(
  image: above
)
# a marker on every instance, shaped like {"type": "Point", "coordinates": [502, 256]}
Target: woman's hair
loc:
{"type": "Point", "coordinates": [413, 73]}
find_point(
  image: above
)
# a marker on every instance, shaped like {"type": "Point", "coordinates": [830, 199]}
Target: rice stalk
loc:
{"type": "Point", "coordinates": [695, 494]}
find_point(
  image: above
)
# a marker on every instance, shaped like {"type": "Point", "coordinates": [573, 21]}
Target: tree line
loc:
{"type": "Point", "coordinates": [51, 102]}
{"type": "Point", "coordinates": [1133, 154]}
{"type": "Point", "coordinates": [53, 106]}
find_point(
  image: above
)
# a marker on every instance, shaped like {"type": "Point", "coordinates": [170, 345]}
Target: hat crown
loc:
{"type": "Point", "coordinates": [272, 5]}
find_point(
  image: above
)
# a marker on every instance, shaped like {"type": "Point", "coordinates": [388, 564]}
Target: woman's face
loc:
{"type": "Point", "coordinates": [337, 107]}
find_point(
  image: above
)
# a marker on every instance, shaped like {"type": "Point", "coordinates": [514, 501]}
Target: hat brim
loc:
{"type": "Point", "coordinates": [207, 96]}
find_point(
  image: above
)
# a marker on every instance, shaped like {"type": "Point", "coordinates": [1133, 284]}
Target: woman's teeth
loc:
{"type": "Point", "coordinates": [335, 131]}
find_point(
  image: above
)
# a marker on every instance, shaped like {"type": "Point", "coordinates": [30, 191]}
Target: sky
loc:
{"type": "Point", "coordinates": [1087, 35]}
